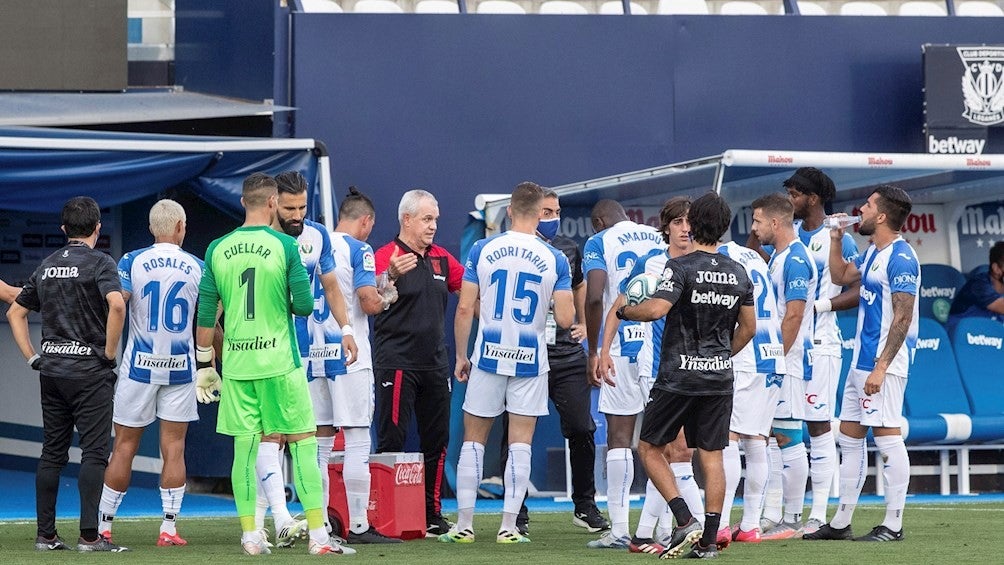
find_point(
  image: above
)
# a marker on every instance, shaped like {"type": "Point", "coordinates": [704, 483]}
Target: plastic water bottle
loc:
{"type": "Point", "coordinates": [386, 289]}
{"type": "Point", "coordinates": [840, 222]}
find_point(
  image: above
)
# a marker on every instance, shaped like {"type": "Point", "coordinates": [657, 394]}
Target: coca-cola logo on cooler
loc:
{"type": "Point", "coordinates": [409, 473]}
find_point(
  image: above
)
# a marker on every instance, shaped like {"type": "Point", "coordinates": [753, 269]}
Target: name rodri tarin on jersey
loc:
{"type": "Point", "coordinates": [512, 251]}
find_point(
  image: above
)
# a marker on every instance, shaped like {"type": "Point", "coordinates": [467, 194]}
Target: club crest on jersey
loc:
{"type": "Point", "coordinates": [306, 248]}
{"type": "Point", "coordinates": [816, 246]}
{"type": "Point", "coordinates": [983, 84]}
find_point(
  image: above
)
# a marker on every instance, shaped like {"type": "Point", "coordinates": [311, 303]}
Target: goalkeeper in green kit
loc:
{"type": "Point", "coordinates": [255, 272]}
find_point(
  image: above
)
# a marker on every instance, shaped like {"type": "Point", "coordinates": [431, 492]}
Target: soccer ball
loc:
{"type": "Point", "coordinates": [640, 288]}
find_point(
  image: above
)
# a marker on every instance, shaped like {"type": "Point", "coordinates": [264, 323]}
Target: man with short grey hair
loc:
{"type": "Point", "coordinates": [411, 367]}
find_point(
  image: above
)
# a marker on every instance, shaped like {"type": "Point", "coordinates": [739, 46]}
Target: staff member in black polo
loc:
{"type": "Point", "coordinates": [411, 367]}
{"type": "Point", "coordinates": [77, 291]}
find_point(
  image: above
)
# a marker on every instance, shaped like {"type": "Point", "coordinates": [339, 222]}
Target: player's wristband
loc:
{"type": "Point", "coordinates": [347, 330]}
{"type": "Point", "coordinates": [824, 305]}
{"type": "Point", "coordinates": [34, 359]}
{"type": "Point", "coordinates": [203, 357]}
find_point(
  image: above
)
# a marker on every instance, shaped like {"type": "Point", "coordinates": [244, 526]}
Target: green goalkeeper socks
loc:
{"type": "Point", "coordinates": [307, 478]}
{"type": "Point", "coordinates": [243, 478]}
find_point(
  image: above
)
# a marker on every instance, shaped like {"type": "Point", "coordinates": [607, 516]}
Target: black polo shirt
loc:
{"type": "Point", "coordinates": [566, 348]}
{"type": "Point", "coordinates": [411, 333]}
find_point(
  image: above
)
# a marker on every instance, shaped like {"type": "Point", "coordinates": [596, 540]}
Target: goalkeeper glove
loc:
{"type": "Point", "coordinates": [207, 380]}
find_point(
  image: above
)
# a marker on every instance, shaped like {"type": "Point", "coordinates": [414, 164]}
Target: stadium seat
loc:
{"type": "Point", "coordinates": [916, 8]}
{"type": "Point", "coordinates": [499, 7]}
{"type": "Point", "coordinates": [321, 6]}
{"type": "Point", "coordinates": [978, 8]}
{"type": "Point", "coordinates": [935, 401]}
{"type": "Point", "coordinates": [742, 8]}
{"type": "Point", "coordinates": [938, 286]}
{"type": "Point", "coordinates": [979, 351]}
{"type": "Point", "coordinates": [616, 7]}
{"type": "Point", "coordinates": [377, 7]}
{"type": "Point", "coordinates": [862, 9]}
{"type": "Point", "coordinates": [562, 7]}
{"type": "Point", "coordinates": [437, 7]}
{"type": "Point", "coordinates": [682, 7]}
{"type": "Point", "coordinates": [811, 9]}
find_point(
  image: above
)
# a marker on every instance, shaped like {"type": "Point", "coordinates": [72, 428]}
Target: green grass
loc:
{"type": "Point", "coordinates": [934, 534]}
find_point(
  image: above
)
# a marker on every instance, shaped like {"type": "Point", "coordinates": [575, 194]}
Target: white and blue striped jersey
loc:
{"type": "Point", "coordinates": [356, 268]}
{"type": "Point", "coordinates": [517, 274]}
{"type": "Point", "coordinates": [884, 272]}
{"type": "Point", "coordinates": [765, 352]}
{"type": "Point", "coordinates": [163, 283]}
{"type": "Point", "coordinates": [615, 251]}
{"type": "Point", "coordinates": [320, 345]}
{"type": "Point", "coordinates": [827, 338]}
{"type": "Point", "coordinates": [653, 263]}
{"type": "Point", "coordinates": [793, 274]}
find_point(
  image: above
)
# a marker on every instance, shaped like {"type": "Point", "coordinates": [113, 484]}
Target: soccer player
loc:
{"type": "Point", "coordinates": [793, 274]}
{"type": "Point", "coordinates": [8, 293]}
{"type": "Point", "coordinates": [157, 375]}
{"type": "Point", "coordinates": [77, 291]}
{"type": "Point", "coordinates": [257, 275]}
{"type": "Point", "coordinates": [887, 332]}
{"type": "Point", "coordinates": [707, 302]}
{"type": "Point", "coordinates": [517, 276]}
{"type": "Point", "coordinates": [759, 371]}
{"type": "Point", "coordinates": [345, 398]}
{"type": "Point", "coordinates": [675, 230]}
{"type": "Point", "coordinates": [811, 190]}
{"type": "Point", "coordinates": [567, 386]}
{"type": "Point", "coordinates": [409, 345]}
{"type": "Point", "coordinates": [608, 257]}
{"type": "Point", "coordinates": [326, 342]}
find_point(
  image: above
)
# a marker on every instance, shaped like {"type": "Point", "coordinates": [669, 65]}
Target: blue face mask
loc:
{"type": "Point", "coordinates": [548, 228]}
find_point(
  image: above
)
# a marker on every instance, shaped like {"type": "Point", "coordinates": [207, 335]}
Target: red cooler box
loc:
{"type": "Point", "coordinates": [397, 494]}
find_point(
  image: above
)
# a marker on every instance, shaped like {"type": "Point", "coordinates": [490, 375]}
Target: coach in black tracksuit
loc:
{"type": "Point", "coordinates": [77, 291]}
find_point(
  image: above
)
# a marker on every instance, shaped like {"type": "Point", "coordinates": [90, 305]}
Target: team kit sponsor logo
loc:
{"type": "Point", "coordinates": [504, 353]}
{"type": "Point", "coordinates": [634, 332]}
{"type": "Point", "coordinates": [983, 84]}
{"type": "Point", "coordinates": [325, 351]}
{"type": "Point", "coordinates": [868, 295]}
{"type": "Point", "coordinates": [60, 273]}
{"type": "Point", "coordinates": [693, 363]}
{"type": "Point", "coordinates": [154, 361]}
{"type": "Point", "coordinates": [771, 351]}
{"type": "Point", "coordinates": [67, 348]}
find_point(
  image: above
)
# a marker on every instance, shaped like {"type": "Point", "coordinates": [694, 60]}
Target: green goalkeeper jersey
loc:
{"type": "Point", "coordinates": [255, 271]}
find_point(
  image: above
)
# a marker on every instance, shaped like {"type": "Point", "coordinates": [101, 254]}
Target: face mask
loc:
{"type": "Point", "coordinates": [548, 228]}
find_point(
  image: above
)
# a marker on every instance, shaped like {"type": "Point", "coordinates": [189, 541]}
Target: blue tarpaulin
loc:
{"type": "Point", "coordinates": [41, 168]}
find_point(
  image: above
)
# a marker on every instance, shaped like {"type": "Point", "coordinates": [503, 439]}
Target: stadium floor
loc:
{"type": "Point", "coordinates": [18, 501]}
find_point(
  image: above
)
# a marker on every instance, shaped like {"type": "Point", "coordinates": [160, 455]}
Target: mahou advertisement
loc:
{"type": "Point", "coordinates": [980, 227]}
{"type": "Point", "coordinates": [925, 229]}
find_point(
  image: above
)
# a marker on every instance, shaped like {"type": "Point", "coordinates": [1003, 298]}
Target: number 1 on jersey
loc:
{"type": "Point", "coordinates": [247, 277]}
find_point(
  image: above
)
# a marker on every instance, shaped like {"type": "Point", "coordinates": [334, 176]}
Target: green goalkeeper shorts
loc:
{"type": "Point", "coordinates": [276, 405]}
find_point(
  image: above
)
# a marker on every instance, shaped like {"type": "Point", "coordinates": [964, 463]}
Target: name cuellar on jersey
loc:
{"type": "Point", "coordinates": [793, 274]}
{"type": "Point", "coordinates": [827, 334]}
{"type": "Point", "coordinates": [765, 352]}
{"type": "Point", "coordinates": [516, 274]}
{"type": "Point", "coordinates": [318, 335]}
{"type": "Point", "coordinates": [163, 283]}
{"type": "Point", "coordinates": [707, 291]}
{"type": "Point", "coordinates": [615, 251]}
{"type": "Point", "coordinates": [885, 272]}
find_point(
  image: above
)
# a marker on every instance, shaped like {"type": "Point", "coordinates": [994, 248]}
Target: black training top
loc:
{"type": "Point", "coordinates": [69, 289]}
{"type": "Point", "coordinates": [411, 333]}
{"type": "Point", "coordinates": [706, 290]}
{"type": "Point", "coordinates": [565, 347]}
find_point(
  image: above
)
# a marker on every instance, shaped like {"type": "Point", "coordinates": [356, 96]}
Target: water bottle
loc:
{"type": "Point", "coordinates": [386, 289]}
{"type": "Point", "coordinates": [840, 222]}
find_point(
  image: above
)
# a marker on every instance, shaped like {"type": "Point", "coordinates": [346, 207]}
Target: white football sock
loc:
{"type": "Point", "coordinates": [756, 482]}
{"type": "Point", "coordinates": [620, 475]}
{"type": "Point", "coordinates": [794, 476]}
{"type": "Point", "coordinates": [853, 470]}
{"type": "Point", "coordinates": [733, 474]}
{"type": "Point", "coordinates": [651, 510]}
{"type": "Point", "coordinates": [469, 469]}
{"type": "Point", "coordinates": [324, 447]}
{"type": "Point", "coordinates": [823, 452]}
{"type": "Point", "coordinates": [111, 499]}
{"type": "Point", "coordinates": [686, 483]}
{"type": "Point", "coordinates": [170, 501]}
{"type": "Point", "coordinates": [516, 481]}
{"type": "Point", "coordinates": [273, 486]}
{"type": "Point", "coordinates": [260, 506]}
{"type": "Point", "coordinates": [773, 496]}
{"type": "Point", "coordinates": [896, 473]}
{"type": "Point", "coordinates": [357, 477]}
